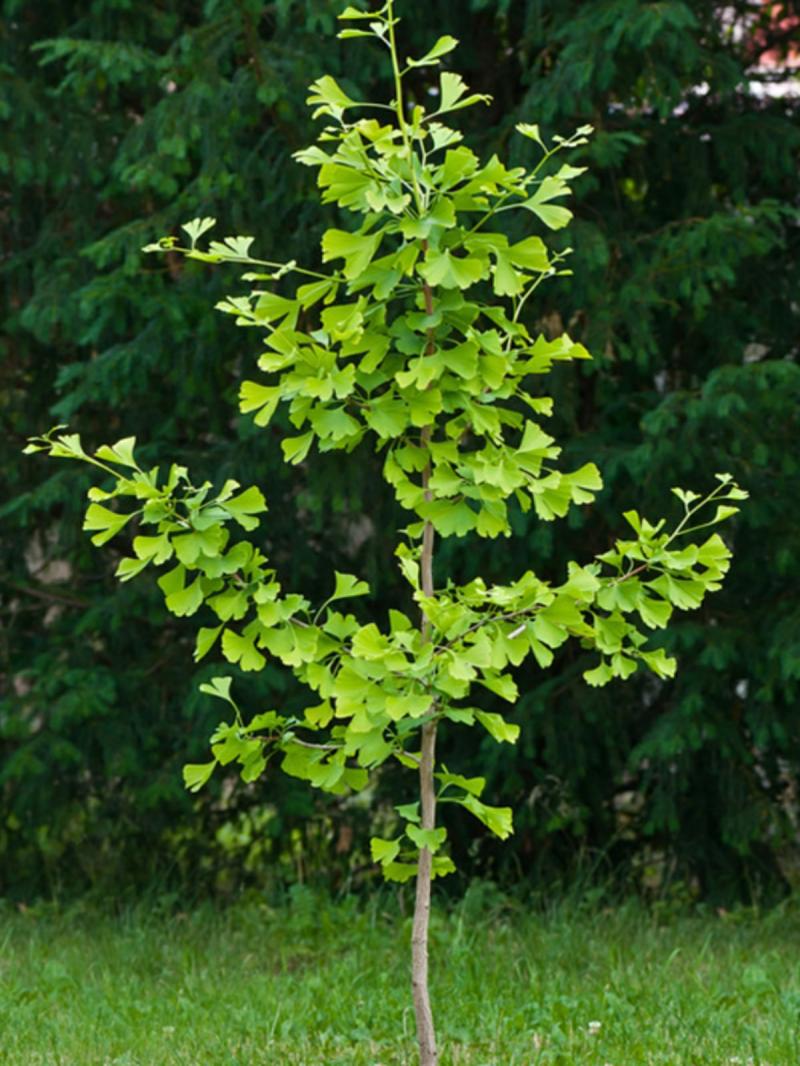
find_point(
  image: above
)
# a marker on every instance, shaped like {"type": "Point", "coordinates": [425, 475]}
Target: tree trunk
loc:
{"type": "Point", "coordinates": [426, 1035]}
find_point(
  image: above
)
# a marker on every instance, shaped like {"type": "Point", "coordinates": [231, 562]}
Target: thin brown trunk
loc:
{"type": "Point", "coordinates": [426, 1031]}
{"type": "Point", "coordinates": [426, 1035]}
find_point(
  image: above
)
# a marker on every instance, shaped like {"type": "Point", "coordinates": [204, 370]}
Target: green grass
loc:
{"type": "Point", "coordinates": [322, 984]}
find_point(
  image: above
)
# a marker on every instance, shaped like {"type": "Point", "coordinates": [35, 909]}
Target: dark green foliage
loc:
{"type": "Point", "coordinates": [125, 120]}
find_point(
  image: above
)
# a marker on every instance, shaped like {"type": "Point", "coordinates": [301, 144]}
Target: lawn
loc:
{"type": "Point", "coordinates": [325, 984]}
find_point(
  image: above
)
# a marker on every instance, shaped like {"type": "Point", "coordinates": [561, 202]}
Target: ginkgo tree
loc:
{"type": "Point", "coordinates": [416, 340]}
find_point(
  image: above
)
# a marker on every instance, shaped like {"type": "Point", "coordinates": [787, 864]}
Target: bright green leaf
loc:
{"type": "Point", "coordinates": [384, 851]}
{"type": "Point", "coordinates": [195, 775]}
{"type": "Point", "coordinates": [499, 728]}
{"type": "Point", "coordinates": [441, 48]}
{"type": "Point", "coordinates": [241, 650]}
{"type": "Point", "coordinates": [245, 505]}
{"type": "Point", "coordinates": [206, 639]}
{"type": "Point", "coordinates": [348, 587]}
{"type": "Point", "coordinates": [497, 819]}
{"type": "Point", "coordinates": [432, 839]}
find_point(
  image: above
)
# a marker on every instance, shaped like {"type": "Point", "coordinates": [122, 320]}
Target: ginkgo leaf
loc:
{"type": "Point", "coordinates": [195, 775]}
{"type": "Point", "coordinates": [499, 728]}
{"type": "Point", "coordinates": [121, 452]}
{"type": "Point", "coordinates": [357, 250]}
{"type": "Point", "coordinates": [241, 650]}
{"type": "Point", "coordinates": [327, 92]}
{"type": "Point", "coordinates": [432, 839]}
{"type": "Point", "coordinates": [197, 227]}
{"type": "Point", "coordinates": [347, 587]}
{"type": "Point", "coordinates": [384, 851]}
{"type": "Point", "coordinates": [452, 88]}
{"type": "Point", "coordinates": [441, 48]}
